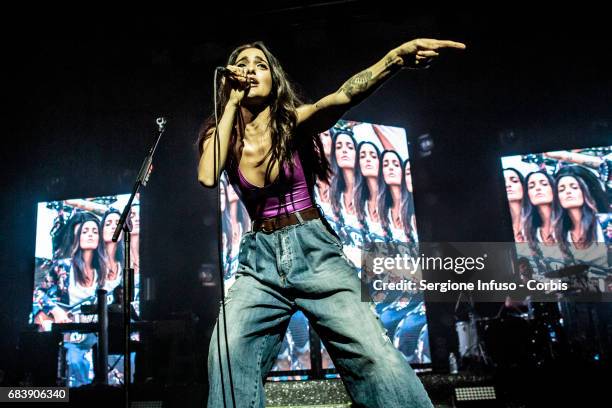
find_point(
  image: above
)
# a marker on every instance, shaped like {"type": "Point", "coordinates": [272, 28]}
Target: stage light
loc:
{"type": "Point", "coordinates": [467, 397]}
{"type": "Point", "coordinates": [425, 144]}
{"type": "Point", "coordinates": [206, 275]}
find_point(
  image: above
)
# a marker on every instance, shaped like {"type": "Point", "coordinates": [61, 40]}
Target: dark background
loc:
{"type": "Point", "coordinates": [82, 95]}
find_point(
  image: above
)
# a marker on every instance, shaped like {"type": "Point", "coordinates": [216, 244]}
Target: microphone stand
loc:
{"type": "Point", "coordinates": [124, 225]}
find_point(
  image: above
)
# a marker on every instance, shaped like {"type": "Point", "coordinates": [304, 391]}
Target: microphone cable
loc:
{"type": "Point", "coordinates": [217, 152]}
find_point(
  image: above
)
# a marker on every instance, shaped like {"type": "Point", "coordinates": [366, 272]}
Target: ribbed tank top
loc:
{"type": "Point", "coordinates": [264, 202]}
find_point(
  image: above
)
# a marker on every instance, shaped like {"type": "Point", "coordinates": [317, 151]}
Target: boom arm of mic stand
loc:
{"type": "Point", "coordinates": [140, 180]}
{"type": "Point", "coordinates": [127, 275]}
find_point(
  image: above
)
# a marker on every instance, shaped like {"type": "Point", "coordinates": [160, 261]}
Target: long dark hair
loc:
{"type": "Point", "coordinates": [226, 223]}
{"type": "Point", "coordinates": [283, 101]}
{"type": "Point", "coordinates": [531, 219]}
{"type": "Point", "coordinates": [385, 199]}
{"type": "Point", "coordinates": [66, 237]}
{"type": "Point", "coordinates": [119, 253]}
{"type": "Point", "coordinates": [520, 177]}
{"type": "Point", "coordinates": [98, 260]}
{"type": "Point", "coordinates": [596, 189]}
{"type": "Point", "coordinates": [338, 184]}
{"type": "Point", "coordinates": [362, 189]}
{"type": "Point", "coordinates": [563, 223]}
{"type": "Point", "coordinates": [407, 207]}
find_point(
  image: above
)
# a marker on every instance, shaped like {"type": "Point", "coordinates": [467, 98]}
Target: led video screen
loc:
{"type": "Point", "coordinates": [559, 204]}
{"type": "Point", "coordinates": [74, 257]}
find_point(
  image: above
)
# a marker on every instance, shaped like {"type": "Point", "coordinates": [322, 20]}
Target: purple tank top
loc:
{"type": "Point", "coordinates": [263, 202]}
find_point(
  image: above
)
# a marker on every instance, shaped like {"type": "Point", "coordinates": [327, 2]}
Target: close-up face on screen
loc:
{"type": "Point", "coordinates": [75, 256]}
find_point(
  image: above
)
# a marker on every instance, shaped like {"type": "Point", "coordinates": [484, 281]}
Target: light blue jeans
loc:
{"type": "Point", "coordinates": [302, 267]}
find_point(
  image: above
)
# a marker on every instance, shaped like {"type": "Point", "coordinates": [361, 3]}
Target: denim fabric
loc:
{"type": "Point", "coordinates": [78, 365]}
{"type": "Point", "coordinates": [302, 267]}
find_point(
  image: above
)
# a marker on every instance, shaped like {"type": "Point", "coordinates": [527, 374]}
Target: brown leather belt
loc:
{"type": "Point", "coordinates": [275, 223]}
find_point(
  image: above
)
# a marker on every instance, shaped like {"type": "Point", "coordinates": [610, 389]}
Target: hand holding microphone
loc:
{"type": "Point", "coordinates": [234, 73]}
{"type": "Point", "coordinates": [238, 81]}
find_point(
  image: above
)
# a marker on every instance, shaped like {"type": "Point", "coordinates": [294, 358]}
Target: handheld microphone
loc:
{"type": "Point", "coordinates": [223, 71]}
{"type": "Point", "coordinates": [161, 122]}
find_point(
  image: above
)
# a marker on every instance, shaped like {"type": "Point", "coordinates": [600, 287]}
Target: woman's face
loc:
{"type": "Point", "coordinates": [514, 188]}
{"type": "Point", "coordinates": [90, 236]}
{"type": "Point", "coordinates": [109, 227]}
{"type": "Point", "coordinates": [326, 140]}
{"type": "Point", "coordinates": [408, 176]}
{"type": "Point", "coordinates": [539, 189]}
{"type": "Point", "coordinates": [135, 218]}
{"type": "Point", "coordinates": [570, 194]}
{"type": "Point", "coordinates": [345, 151]}
{"type": "Point", "coordinates": [222, 196]}
{"type": "Point", "coordinates": [368, 160]}
{"type": "Point", "coordinates": [392, 169]}
{"type": "Point", "coordinates": [258, 72]}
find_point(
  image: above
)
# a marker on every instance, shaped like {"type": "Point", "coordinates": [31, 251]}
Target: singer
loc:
{"type": "Point", "coordinates": [291, 259]}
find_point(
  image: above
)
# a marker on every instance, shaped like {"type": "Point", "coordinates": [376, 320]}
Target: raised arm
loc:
{"type": "Point", "coordinates": [578, 158]}
{"type": "Point", "coordinates": [86, 205]}
{"type": "Point", "coordinates": [323, 114]}
{"type": "Point", "coordinates": [206, 171]}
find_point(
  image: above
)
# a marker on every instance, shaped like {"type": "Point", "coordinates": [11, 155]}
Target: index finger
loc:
{"type": "Point", "coordinates": [450, 44]}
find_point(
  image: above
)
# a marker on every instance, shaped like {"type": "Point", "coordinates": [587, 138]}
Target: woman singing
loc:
{"type": "Point", "coordinates": [291, 260]}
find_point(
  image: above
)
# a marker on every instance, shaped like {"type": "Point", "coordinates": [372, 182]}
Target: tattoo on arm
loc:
{"type": "Point", "coordinates": [358, 83]}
